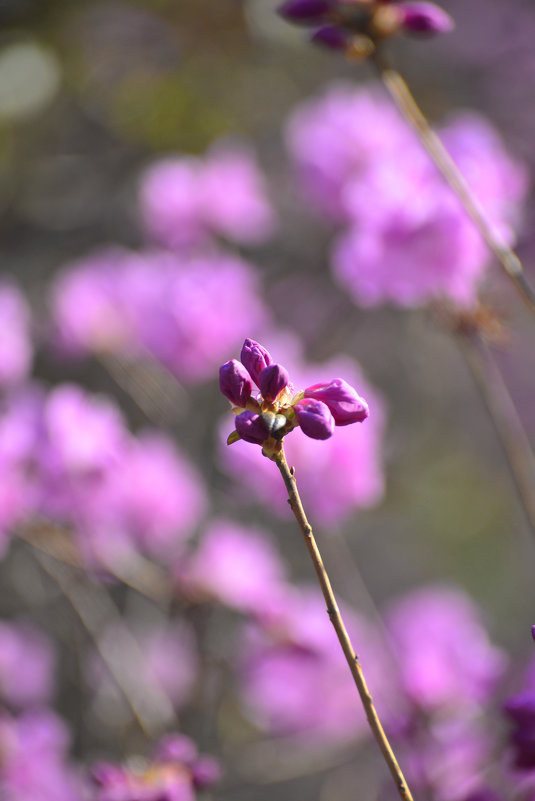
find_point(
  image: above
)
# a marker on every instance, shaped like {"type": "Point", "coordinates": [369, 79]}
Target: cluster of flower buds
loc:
{"type": "Point", "coordinates": [264, 418]}
{"type": "Point", "coordinates": [356, 26]}
{"type": "Point", "coordinates": [175, 773]}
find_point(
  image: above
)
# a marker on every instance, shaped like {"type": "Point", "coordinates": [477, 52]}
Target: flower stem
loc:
{"type": "Point", "coordinates": [505, 419]}
{"type": "Point", "coordinates": [407, 105]}
{"type": "Point", "coordinates": [294, 500]}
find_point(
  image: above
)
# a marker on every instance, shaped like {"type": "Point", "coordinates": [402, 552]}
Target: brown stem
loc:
{"type": "Point", "coordinates": [407, 105]}
{"type": "Point", "coordinates": [336, 619]}
{"type": "Point", "coordinates": [504, 416]}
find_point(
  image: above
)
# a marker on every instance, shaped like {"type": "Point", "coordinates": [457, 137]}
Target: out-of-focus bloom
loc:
{"type": "Point", "coordinates": [167, 663]}
{"type": "Point", "coordinates": [237, 566]}
{"type": "Point", "coordinates": [174, 774]}
{"type": "Point", "coordinates": [357, 27]}
{"type": "Point", "coordinates": [520, 710]}
{"type": "Point", "coordinates": [446, 658]}
{"type": "Point", "coordinates": [337, 475]}
{"type": "Point", "coordinates": [154, 496]}
{"type": "Point", "coordinates": [184, 201]}
{"type": "Point", "coordinates": [186, 312]}
{"type": "Point", "coordinates": [279, 409]}
{"type": "Point", "coordinates": [34, 759]}
{"type": "Point", "coordinates": [27, 662]}
{"type": "Point", "coordinates": [15, 341]}
{"type": "Point", "coordinates": [414, 243]}
{"type": "Point", "coordinates": [68, 457]}
{"type": "Point", "coordinates": [285, 668]}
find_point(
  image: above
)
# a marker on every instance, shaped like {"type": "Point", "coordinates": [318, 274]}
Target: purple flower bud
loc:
{"type": "Point", "coordinates": [332, 37]}
{"type": "Point", "coordinates": [315, 419]}
{"type": "Point", "coordinates": [205, 771]}
{"type": "Point", "coordinates": [235, 383]}
{"type": "Point", "coordinates": [345, 404]}
{"type": "Point", "coordinates": [426, 18]}
{"type": "Point", "coordinates": [307, 12]}
{"type": "Point", "coordinates": [251, 427]}
{"type": "Point", "coordinates": [176, 748]}
{"type": "Point", "coordinates": [255, 358]}
{"type": "Point", "coordinates": [533, 632]}
{"type": "Point", "coordinates": [273, 379]}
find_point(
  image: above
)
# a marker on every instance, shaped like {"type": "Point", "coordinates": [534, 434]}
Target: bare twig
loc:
{"type": "Point", "coordinates": [341, 631]}
{"type": "Point", "coordinates": [505, 419]}
{"type": "Point", "coordinates": [407, 105]}
{"type": "Point", "coordinates": [151, 708]}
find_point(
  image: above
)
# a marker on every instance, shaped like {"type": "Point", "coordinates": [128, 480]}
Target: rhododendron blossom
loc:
{"type": "Point", "coordinates": [278, 409]}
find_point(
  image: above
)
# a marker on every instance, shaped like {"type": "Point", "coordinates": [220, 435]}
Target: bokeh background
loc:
{"type": "Point", "coordinates": [91, 94]}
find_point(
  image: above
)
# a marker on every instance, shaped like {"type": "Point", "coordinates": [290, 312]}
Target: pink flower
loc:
{"type": "Point", "coordinates": [185, 201]}
{"type": "Point", "coordinates": [237, 566]}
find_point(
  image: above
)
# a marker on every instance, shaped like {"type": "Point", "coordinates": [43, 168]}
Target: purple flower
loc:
{"type": "Point", "coordinates": [251, 427]}
{"type": "Point", "coordinates": [27, 662]}
{"type": "Point", "coordinates": [345, 405]}
{"type": "Point", "coordinates": [284, 668]}
{"type": "Point", "coordinates": [446, 658]}
{"type": "Point", "coordinates": [337, 475]}
{"type": "Point", "coordinates": [255, 358]}
{"type": "Point", "coordinates": [281, 409]}
{"type": "Point", "coordinates": [308, 12]}
{"type": "Point", "coordinates": [273, 379]}
{"type": "Point", "coordinates": [185, 201]}
{"type": "Point", "coordinates": [166, 778]}
{"type": "Point", "coordinates": [315, 419]}
{"type": "Point", "coordinates": [186, 312]}
{"type": "Point", "coordinates": [349, 146]}
{"type": "Point", "coordinates": [426, 18]}
{"type": "Point", "coordinates": [235, 383]}
{"type": "Point", "coordinates": [237, 566]}
{"type": "Point", "coordinates": [15, 342]}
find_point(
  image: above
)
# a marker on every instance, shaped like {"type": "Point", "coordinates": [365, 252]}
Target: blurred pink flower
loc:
{"type": "Point", "coordinates": [34, 759]}
{"type": "Point", "coordinates": [185, 201]}
{"type": "Point", "coordinates": [237, 566]}
{"type": "Point", "coordinates": [445, 655]}
{"type": "Point", "coordinates": [16, 350]}
{"type": "Point", "coordinates": [187, 312]}
{"type": "Point", "coordinates": [407, 239]}
{"type": "Point", "coordinates": [27, 662]}
{"type": "Point", "coordinates": [295, 680]}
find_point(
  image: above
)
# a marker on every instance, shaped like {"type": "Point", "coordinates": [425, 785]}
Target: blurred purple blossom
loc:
{"type": "Point", "coordinates": [406, 239]}
{"type": "Point", "coordinates": [173, 774]}
{"type": "Point", "coordinates": [445, 655]}
{"type": "Point", "coordinates": [34, 759]}
{"type": "Point", "coordinates": [285, 667]}
{"type": "Point", "coordinates": [184, 200]}
{"type": "Point", "coordinates": [27, 662]}
{"type": "Point", "coordinates": [237, 566]}
{"type": "Point", "coordinates": [16, 350]}
{"type": "Point", "coordinates": [187, 312]}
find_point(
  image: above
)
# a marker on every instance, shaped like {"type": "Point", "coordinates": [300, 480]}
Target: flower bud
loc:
{"type": "Point", "coordinates": [426, 18]}
{"type": "Point", "coordinates": [332, 37]}
{"type": "Point", "coordinates": [306, 12]}
{"type": "Point", "coordinates": [344, 403]}
{"type": "Point", "coordinates": [273, 379]}
{"type": "Point", "coordinates": [533, 632]}
{"type": "Point", "coordinates": [255, 358]}
{"type": "Point", "coordinates": [314, 417]}
{"type": "Point", "coordinates": [251, 427]}
{"type": "Point", "coordinates": [235, 383]}
{"type": "Point", "coordinates": [205, 771]}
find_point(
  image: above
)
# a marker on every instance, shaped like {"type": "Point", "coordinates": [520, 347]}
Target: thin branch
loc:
{"type": "Point", "coordinates": [504, 416]}
{"type": "Point", "coordinates": [287, 474]}
{"type": "Point", "coordinates": [407, 105]}
{"type": "Point", "coordinates": [151, 708]}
